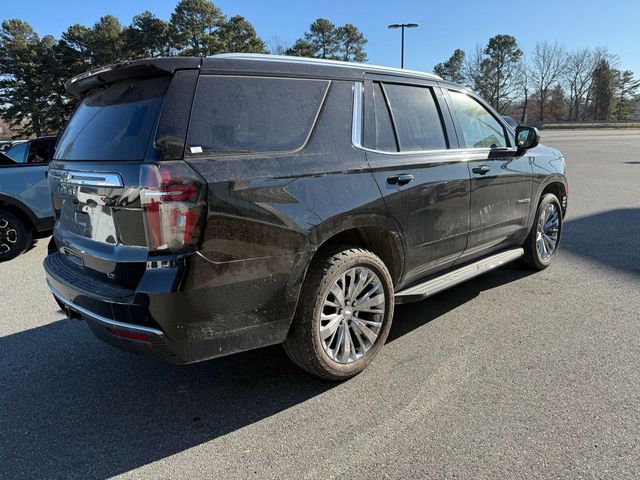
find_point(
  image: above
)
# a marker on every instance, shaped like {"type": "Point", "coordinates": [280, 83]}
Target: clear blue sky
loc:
{"type": "Point", "coordinates": [444, 25]}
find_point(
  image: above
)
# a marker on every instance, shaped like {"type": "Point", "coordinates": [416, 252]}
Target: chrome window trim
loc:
{"type": "Point", "coordinates": [94, 179]}
{"type": "Point", "coordinates": [357, 123]}
{"type": "Point", "coordinates": [357, 127]}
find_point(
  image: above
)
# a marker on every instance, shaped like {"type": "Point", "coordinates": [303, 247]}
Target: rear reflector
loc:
{"type": "Point", "coordinates": [129, 335]}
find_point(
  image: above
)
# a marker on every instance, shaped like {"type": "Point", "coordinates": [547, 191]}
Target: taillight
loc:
{"type": "Point", "coordinates": [173, 200]}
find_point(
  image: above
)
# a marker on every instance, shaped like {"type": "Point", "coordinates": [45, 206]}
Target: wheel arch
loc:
{"type": "Point", "coordinates": [559, 188]}
{"type": "Point", "coordinates": [375, 232]}
{"type": "Point", "coordinates": [556, 184]}
{"type": "Point", "coordinates": [19, 209]}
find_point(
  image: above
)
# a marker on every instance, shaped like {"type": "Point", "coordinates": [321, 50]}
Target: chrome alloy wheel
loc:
{"type": "Point", "coordinates": [352, 315]}
{"type": "Point", "coordinates": [547, 232]}
{"type": "Point", "coordinates": [8, 236]}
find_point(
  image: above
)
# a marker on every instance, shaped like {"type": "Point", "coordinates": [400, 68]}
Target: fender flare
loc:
{"type": "Point", "coordinates": [329, 228]}
{"type": "Point", "coordinates": [24, 209]}
{"type": "Point", "coordinates": [554, 178]}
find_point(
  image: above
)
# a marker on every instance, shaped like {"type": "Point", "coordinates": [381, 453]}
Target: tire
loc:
{"type": "Point", "coordinates": [15, 236]}
{"type": "Point", "coordinates": [537, 251]}
{"type": "Point", "coordinates": [345, 269]}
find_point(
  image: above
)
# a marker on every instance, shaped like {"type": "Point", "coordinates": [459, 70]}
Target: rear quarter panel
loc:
{"type": "Point", "coordinates": [27, 186]}
{"type": "Point", "coordinates": [267, 216]}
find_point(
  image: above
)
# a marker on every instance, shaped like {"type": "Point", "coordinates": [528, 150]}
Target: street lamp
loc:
{"type": "Point", "coordinates": [402, 26]}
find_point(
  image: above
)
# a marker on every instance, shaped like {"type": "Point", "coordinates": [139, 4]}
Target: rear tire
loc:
{"type": "Point", "coordinates": [15, 236]}
{"type": "Point", "coordinates": [543, 241]}
{"type": "Point", "coordinates": [344, 314]}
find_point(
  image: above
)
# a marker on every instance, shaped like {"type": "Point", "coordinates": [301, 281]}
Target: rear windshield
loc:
{"type": "Point", "coordinates": [114, 123]}
{"type": "Point", "coordinates": [253, 114]}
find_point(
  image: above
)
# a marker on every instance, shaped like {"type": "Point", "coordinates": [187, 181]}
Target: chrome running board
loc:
{"type": "Point", "coordinates": [438, 284]}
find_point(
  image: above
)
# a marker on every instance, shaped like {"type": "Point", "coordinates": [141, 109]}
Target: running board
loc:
{"type": "Point", "coordinates": [438, 284]}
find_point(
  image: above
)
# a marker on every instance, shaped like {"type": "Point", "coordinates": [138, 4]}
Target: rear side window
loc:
{"type": "Point", "coordinates": [416, 118]}
{"type": "Point", "coordinates": [40, 152]}
{"type": "Point", "coordinates": [114, 123]}
{"type": "Point", "coordinates": [385, 136]}
{"type": "Point", "coordinates": [479, 128]}
{"type": "Point", "coordinates": [253, 114]}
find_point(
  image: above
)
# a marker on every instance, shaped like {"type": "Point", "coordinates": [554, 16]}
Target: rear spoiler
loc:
{"type": "Point", "coordinates": [81, 84]}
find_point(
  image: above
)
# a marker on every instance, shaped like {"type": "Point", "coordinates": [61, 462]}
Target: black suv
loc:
{"type": "Point", "coordinates": [206, 206]}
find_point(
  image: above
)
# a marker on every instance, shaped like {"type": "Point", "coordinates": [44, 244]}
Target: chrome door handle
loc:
{"type": "Point", "coordinates": [481, 170]}
{"type": "Point", "coordinates": [400, 179]}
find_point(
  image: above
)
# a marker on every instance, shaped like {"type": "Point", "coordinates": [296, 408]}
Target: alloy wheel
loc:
{"type": "Point", "coordinates": [352, 315]}
{"type": "Point", "coordinates": [547, 232]}
{"type": "Point", "coordinates": [8, 236]}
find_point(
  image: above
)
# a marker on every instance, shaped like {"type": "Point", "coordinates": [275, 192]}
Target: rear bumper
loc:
{"type": "Point", "coordinates": [125, 336]}
{"type": "Point", "coordinates": [193, 312]}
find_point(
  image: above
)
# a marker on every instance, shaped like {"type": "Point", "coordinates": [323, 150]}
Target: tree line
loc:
{"type": "Point", "coordinates": [33, 69]}
{"type": "Point", "coordinates": [549, 84]}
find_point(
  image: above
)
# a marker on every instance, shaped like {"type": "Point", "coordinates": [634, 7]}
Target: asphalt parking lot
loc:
{"type": "Point", "coordinates": [511, 375]}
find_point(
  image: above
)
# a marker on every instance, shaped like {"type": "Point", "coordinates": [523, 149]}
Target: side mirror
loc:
{"type": "Point", "coordinates": [527, 137]}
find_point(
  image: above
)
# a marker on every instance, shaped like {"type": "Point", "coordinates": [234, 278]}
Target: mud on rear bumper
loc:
{"type": "Point", "coordinates": [125, 336]}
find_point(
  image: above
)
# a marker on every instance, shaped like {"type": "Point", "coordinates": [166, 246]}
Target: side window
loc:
{"type": "Point", "coordinates": [480, 129]}
{"type": "Point", "coordinates": [18, 152]}
{"type": "Point", "coordinates": [385, 136]}
{"type": "Point", "coordinates": [416, 118]}
{"type": "Point", "coordinates": [40, 152]}
{"type": "Point", "coordinates": [253, 114]}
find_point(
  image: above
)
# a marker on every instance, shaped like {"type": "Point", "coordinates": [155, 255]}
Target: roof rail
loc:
{"type": "Point", "coordinates": [318, 61]}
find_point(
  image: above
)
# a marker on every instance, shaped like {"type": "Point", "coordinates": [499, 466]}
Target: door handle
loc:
{"type": "Point", "coordinates": [400, 179]}
{"type": "Point", "coordinates": [482, 169]}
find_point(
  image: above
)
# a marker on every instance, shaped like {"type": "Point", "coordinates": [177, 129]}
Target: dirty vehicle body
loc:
{"type": "Point", "coordinates": [25, 202]}
{"type": "Point", "coordinates": [209, 206]}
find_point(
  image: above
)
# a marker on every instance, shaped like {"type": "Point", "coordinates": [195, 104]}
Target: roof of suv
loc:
{"type": "Point", "coordinates": [233, 63]}
{"type": "Point", "coordinates": [302, 65]}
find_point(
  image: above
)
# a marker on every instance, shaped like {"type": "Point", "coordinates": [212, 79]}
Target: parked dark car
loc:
{"type": "Point", "coordinates": [209, 206]}
{"type": "Point", "coordinates": [25, 201]}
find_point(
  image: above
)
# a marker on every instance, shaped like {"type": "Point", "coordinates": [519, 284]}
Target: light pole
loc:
{"type": "Point", "coordinates": [402, 26]}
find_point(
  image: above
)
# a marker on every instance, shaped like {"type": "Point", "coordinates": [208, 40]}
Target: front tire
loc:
{"type": "Point", "coordinates": [544, 238]}
{"type": "Point", "coordinates": [343, 316]}
{"type": "Point", "coordinates": [15, 236]}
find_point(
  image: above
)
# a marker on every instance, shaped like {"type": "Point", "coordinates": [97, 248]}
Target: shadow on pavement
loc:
{"type": "Point", "coordinates": [410, 316]}
{"type": "Point", "coordinates": [73, 407]}
{"type": "Point", "coordinates": [611, 239]}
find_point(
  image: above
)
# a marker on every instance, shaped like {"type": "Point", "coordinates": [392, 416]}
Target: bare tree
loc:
{"type": "Point", "coordinates": [524, 81]}
{"type": "Point", "coordinates": [548, 64]}
{"type": "Point", "coordinates": [473, 71]}
{"type": "Point", "coordinates": [276, 45]}
{"type": "Point", "coordinates": [579, 74]}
